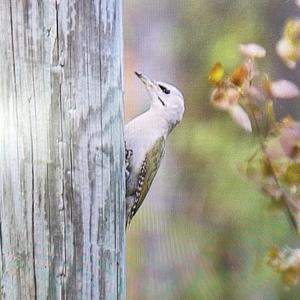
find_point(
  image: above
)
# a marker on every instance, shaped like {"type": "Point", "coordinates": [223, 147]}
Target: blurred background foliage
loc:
{"type": "Point", "coordinates": [204, 230]}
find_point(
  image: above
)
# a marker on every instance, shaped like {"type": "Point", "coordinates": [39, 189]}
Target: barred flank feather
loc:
{"type": "Point", "coordinates": [148, 171]}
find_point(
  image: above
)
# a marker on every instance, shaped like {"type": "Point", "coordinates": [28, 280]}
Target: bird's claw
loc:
{"type": "Point", "coordinates": [128, 154]}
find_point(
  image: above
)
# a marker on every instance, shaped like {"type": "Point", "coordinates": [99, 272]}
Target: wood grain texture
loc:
{"type": "Point", "coordinates": [61, 150]}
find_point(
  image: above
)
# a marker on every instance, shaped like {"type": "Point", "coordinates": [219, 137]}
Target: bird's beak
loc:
{"type": "Point", "coordinates": [148, 82]}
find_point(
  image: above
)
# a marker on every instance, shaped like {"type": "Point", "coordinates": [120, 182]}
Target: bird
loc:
{"type": "Point", "coordinates": [145, 140]}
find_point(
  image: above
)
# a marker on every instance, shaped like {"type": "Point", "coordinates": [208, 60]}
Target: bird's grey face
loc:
{"type": "Point", "coordinates": [165, 97]}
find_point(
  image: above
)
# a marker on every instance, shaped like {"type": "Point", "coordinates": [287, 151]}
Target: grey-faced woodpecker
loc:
{"type": "Point", "coordinates": [145, 138]}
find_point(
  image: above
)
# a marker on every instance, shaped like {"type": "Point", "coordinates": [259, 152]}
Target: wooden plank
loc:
{"type": "Point", "coordinates": [61, 150]}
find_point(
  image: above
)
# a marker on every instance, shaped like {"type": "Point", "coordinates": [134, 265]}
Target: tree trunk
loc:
{"type": "Point", "coordinates": [61, 150]}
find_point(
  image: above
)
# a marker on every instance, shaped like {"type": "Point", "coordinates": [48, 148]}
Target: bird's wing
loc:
{"type": "Point", "coordinates": [147, 173]}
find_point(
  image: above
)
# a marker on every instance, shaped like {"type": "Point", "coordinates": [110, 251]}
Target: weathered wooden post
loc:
{"type": "Point", "coordinates": [61, 150]}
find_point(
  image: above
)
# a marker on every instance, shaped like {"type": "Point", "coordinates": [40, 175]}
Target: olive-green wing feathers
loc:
{"type": "Point", "coordinates": [147, 173]}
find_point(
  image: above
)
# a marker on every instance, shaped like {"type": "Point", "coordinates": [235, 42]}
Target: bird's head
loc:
{"type": "Point", "coordinates": [166, 99]}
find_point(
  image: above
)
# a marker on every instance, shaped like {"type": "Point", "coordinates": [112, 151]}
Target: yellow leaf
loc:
{"type": "Point", "coordinates": [292, 174]}
{"type": "Point", "coordinates": [267, 86]}
{"type": "Point", "coordinates": [290, 277]}
{"type": "Point", "coordinates": [270, 115]}
{"type": "Point", "coordinates": [288, 47]}
{"type": "Point", "coordinates": [273, 255]}
{"type": "Point", "coordinates": [266, 168]}
{"type": "Point", "coordinates": [292, 30]}
{"type": "Point", "coordinates": [239, 75]}
{"type": "Point", "coordinates": [216, 74]}
{"type": "Point", "coordinates": [288, 51]}
{"type": "Point", "coordinates": [285, 262]}
{"type": "Point", "coordinates": [287, 121]}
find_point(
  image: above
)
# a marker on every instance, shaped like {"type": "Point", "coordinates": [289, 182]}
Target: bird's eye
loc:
{"type": "Point", "coordinates": [164, 89]}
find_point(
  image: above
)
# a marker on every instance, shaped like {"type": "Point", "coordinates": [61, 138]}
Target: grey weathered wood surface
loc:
{"type": "Point", "coordinates": [61, 150]}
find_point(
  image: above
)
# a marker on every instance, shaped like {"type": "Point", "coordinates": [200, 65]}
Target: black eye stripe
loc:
{"type": "Point", "coordinates": [162, 102]}
{"type": "Point", "coordinates": [164, 89]}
